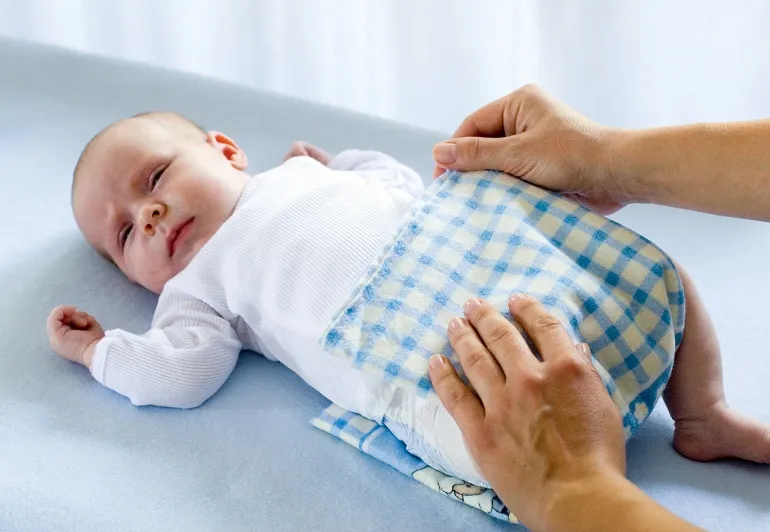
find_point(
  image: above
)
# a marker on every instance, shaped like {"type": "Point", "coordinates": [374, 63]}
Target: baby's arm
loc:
{"type": "Point", "coordinates": [182, 361]}
{"type": "Point", "coordinates": [390, 171]}
{"type": "Point", "coordinates": [386, 168]}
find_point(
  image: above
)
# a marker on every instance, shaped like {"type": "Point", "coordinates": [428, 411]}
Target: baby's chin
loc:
{"type": "Point", "coordinates": [156, 287]}
{"type": "Point", "coordinates": [156, 284]}
{"type": "Point", "coordinates": [181, 261]}
{"type": "Point", "coordinates": [155, 281]}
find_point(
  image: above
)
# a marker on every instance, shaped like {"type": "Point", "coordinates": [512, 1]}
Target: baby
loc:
{"type": "Point", "coordinates": [264, 263]}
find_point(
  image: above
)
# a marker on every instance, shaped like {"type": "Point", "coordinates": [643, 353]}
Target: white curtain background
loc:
{"type": "Point", "coordinates": [431, 62]}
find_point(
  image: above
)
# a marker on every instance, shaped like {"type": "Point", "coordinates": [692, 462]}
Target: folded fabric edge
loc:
{"type": "Point", "coordinates": [378, 442]}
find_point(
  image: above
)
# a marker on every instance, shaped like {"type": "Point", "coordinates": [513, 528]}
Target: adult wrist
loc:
{"type": "Point", "coordinates": [631, 171]}
{"type": "Point", "coordinates": [582, 503]}
{"type": "Point", "coordinates": [607, 502]}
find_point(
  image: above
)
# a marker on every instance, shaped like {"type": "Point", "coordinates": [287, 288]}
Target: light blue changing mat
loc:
{"type": "Point", "coordinates": [77, 457]}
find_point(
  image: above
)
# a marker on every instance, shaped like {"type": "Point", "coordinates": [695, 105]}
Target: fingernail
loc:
{"type": "Point", "coordinates": [436, 361]}
{"type": "Point", "coordinates": [471, 304]}
{"type": "Point", "coordinates": [456, 323]}
{"type": "Point", "coordinates": [445, 153]}
{"type": "Point", "coordinates": [515, 298]}
{"type": "Point", "coordinates": [583, 348]}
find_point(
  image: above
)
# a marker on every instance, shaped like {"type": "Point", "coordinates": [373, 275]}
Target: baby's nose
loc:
{"type": "Point", "coordinates": [149, 227]}
{"type": "Point", "coordinates": [152, 215]}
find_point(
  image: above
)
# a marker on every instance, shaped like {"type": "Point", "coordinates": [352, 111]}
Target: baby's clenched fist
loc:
{"type": "Point", "coordinates": [300, 148]}
{"type": "Point", "coordinates": [73, 334]}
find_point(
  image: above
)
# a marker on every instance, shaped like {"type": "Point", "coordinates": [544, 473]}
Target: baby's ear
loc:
{"type": "Point", "coordinates": [228, 148]}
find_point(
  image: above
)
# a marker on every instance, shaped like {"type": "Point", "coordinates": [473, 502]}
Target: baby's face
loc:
{"type": "Point", "coordinates": [150, 197]}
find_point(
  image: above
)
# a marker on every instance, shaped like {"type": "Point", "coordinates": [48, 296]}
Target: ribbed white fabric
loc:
{"type": "Point", "coordinates": [270, 279]}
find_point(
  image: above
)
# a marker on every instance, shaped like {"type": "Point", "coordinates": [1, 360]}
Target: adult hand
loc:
{"type": "Point", "coordinates": [533, 428]}
{"type": "Point", "coordinates": [533, 136]}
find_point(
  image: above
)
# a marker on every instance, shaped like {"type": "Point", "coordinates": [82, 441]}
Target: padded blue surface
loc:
{"type": "Point", "coordinates": [75, 456]}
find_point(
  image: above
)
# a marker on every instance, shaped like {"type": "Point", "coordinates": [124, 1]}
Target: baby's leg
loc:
{"type": "Point", "coordinates": [705, 427]}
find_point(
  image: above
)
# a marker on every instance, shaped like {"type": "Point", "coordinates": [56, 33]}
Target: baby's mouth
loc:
{"type": "Point", "coordinates": [177, 236]}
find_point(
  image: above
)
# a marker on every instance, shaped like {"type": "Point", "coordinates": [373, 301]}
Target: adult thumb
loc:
{"type": "Point", "coordinates": [476, 153]}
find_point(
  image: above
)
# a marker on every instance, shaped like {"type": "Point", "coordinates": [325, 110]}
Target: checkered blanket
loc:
{"type": "Point", "coordinates": [486, 234]}
{"type": "Point", "coordinates": [378, 442]}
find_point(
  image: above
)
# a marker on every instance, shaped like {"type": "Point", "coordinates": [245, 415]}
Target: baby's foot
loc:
{"type": "Point", "coordinates": [723, 433]}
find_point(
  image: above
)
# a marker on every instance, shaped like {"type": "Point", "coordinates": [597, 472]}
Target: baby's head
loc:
{"type": "Point", "coordinates": [149, 191]}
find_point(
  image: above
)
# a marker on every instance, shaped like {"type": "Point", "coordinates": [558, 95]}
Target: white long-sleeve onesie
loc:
{"type": "Point", "coordinates": [269, 280]}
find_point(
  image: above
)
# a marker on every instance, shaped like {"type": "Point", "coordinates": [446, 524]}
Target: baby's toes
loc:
{"type": "Point", "coordinates": [745, 437]}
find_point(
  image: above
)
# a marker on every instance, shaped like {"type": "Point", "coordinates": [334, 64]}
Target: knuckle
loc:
{"type": "Point", "coordinates": [571, 367]}
{"type": "Point", "coordinates": [454, 398]}
{"type": "Point", "coordinates": [526, 306]}
{"type": "Point", "coordinates": [473, 358]}
{"type": "Point", "coordinates": [532, 88]}
{"type": "Point", "coordinates": [546, 322]}
{"type": "Point", "coordinates": [462, 337]}
{"type": "Point", "coordinates": [526, 90]}
{"type": "Point", "coordinates": [500, 333]}
{"type": "Point", "coordinates": [441, 380]}
{"type": "Point", "coordinates": [481, 313]}
{"type": "Point", "coordinates": [532, 381]}
{"type": "Point", "coordinates": [472, 148]}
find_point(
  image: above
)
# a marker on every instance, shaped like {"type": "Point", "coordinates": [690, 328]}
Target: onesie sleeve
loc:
{"type": "Point", "coordinates": [390, 171]}
{"type": "Point", "coordinates": [181, 362]}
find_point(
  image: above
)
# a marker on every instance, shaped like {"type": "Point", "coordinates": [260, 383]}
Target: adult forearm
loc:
{"type": "Point", "coordinates": [608, 503]}
{"type": "Point", "coordinates": [719, 168]}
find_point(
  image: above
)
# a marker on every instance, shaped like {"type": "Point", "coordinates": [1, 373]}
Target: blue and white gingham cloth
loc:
{"type": "Point", "coordinates": [378, 442]}
{"type": "Point", "coordinates": [487, 234]}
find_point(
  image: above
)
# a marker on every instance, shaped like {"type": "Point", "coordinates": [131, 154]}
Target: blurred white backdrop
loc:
{"type": "Point", "coordinates": [430, 62]}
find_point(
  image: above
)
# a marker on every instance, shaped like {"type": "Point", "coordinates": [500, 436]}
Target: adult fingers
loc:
{"type": "Point", "coordinates": [501, 338]}
{"type": "Point", "coordinates": [488, 121]}
{"type": "Point", "coordinates": [585, 350]}
{"type": "Point", "coordinates": [461, 403]}
{"type": "Point", "coordinates": [479, 153]}
{"type": "Point", "coordinates": [544, 329]}
{"type": "Point", "coordinates": [479, 364]}
{"type": "Point", "coordinates": [437, 171]}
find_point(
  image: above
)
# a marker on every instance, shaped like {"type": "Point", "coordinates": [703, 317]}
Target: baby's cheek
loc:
{"type": "Point", "coordinates": [149, 272]}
